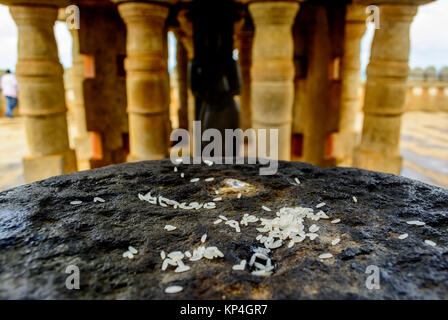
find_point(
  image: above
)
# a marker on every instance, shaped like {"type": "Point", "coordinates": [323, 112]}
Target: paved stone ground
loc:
{"type": "Point", "coordinates": [424, 146]}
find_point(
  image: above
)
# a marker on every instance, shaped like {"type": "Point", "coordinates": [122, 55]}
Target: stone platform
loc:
{"type": "Point", "coordinates": [41, 233]}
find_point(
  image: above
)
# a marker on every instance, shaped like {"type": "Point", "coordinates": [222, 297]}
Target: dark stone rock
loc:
{"type": "Point", "coordinates": [41, 233]}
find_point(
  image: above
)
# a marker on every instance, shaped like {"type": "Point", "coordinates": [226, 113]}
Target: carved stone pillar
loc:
{"type": "Point", "coordinates": [385, 91]}
{"type": "Point", "coordinates": [182, 83]}
{"type": "Point", "coordinates": [346, 139]}
{"type": "Point", "coordinates": [41, 93]}
{"type": "Point", "coordinates": [272, 72]}
{"type": "Point", "coordinates": [147, 79]}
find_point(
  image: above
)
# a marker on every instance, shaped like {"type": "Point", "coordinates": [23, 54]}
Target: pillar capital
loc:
{"type": "Point", "coordinates": [273, 12]}
{"type": "Point", "coordinates": [51, 3]}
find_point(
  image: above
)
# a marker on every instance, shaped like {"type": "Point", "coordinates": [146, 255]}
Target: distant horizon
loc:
{"type": "Point", "coordinates": [429, 43]}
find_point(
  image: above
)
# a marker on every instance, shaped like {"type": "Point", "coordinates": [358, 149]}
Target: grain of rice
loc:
{"type": "Point", "coordinates": [188, 254]}
{"type": "Point", "coordinates": [266, 208]}
{"type": "Point", "coordinates": [239, 195]}
{"type": "Point", "coordinates": [132, 250]}
{"type": "Point", "coordinates": [416, 223]}
{"type": "Point", "coordinates": [403, 236]}
{"type": "Point", "coordinates": [176, 255]}
{"type": "Point", "coordinates": [194, 180]}
{"type": "Point", "coordinates": [312, 236]}
{"type": "Point", "coordinates": [173, 289]}
{"type": "Point", "coordinates": [355, 200]}
{"type": "Point", "coordinates": [431, 243]}
{"type": "Point", "coordinates": [76, 202]}
{"type": "Point", "coordinates": [216, 192]}
{"type": "Point", "coordinates": [223, 217]}
{"type": "Point", "coordinates": [209, 205]}
{"type": "Point", "coordinates": [217, 199]}
{"type": "Point", "coordinates": [335, 241]}
{"type": "Point", "coordinates": [128, 254]}
{"type": "Point", "coordinates": [297, 180]}
{"type": "Point", "coordinates": [209, 179]}
{"type": "Point", "coordinates": [182, 268]}
{"type": "Point", "coordinates": [175, 169]}
{"type": "Point", "coordinates": [162, 255]}
{"type": "Point", "coordinates": [182, 175]}
{"type": "Point", "coordinates": [241, 266]}
{"type": "Point", "coordinates": [98, 199]}
{"type": "Point", "coordinates": [169, 227]}
{"type": "Point", "coordinates": [217, 221]}
{"type": "Point", "coordinates": [320, 205]}
{"type": "Point", "coordinates": [313, 228]}
{"type": "Point", "coordinates": [204, 237]}
{"type": "Point", "coordinates": [325, 256]}
{"type": "Point", "coordinates": [335, 221]}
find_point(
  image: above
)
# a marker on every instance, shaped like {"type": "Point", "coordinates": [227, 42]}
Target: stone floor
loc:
{"type": "Point", "coordinates": [424, 146]}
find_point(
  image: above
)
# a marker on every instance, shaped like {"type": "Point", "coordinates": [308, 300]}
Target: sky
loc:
{"type": "Point", "coordinates": [429, 39]}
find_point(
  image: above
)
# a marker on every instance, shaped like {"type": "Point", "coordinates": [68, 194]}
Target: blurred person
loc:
{"type": "Point", "coordinates": [9, 88]}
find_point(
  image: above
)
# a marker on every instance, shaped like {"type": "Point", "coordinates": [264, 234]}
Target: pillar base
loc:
{"type": "Point", "coordinates": [41, 167]}
{"type": "Point", "coordinates": [377, 161]}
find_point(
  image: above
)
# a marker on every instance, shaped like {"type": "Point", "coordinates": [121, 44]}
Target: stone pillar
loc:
{"type": "Point", "coordinates": [346, 138]}
{"type": "Point", "coordinates": [41, 93]}
{"type": "Point", "coordinates": [245, 37]}
{"type": "Point", "coordinates": [147, 79]}
{"type": "Point", "coordinates": [385, 91]}
{"type": "Point", "coordinates": [272, 72]}
{"type": "Point", "coordinates": [182, 84]}
{"type": "Point", "coordinates": [82, 139]}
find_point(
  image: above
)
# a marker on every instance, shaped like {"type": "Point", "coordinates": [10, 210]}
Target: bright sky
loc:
{"type": "Point", "coordinates": [429, 39]}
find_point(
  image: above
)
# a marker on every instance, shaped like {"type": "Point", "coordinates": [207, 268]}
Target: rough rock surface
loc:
{"type": "Point", "coordinates": [41, 234]}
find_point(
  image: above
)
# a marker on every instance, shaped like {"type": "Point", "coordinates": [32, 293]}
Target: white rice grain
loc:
{"type": "Point", "coordinates": [169, 227]}
{"type": "Point", "coordinates": [355, 200]}
{"type": "Point", "coordinates": [335, 241]}
{"type": "Point", "coordinates": [313, 228]}
{"type": "Point", "coordinates": [217, 221]}
{"type": "Point", "coordinates": [98, 199]}
{"type": "Point", "coordinates": [76, 202]}
{"type": "Point", "coordinates": [209, 179]}
{"type": "Point", "coordinates": [325, 256]}
{"type": "Point", "coordinates": [320, 205]}
{"type": "Point", "coordinates": [335, 221]}
{"type": "Point", "coordinates": [132, 250]}
{"type": "Point", "coordinates": [217, 199]}
{"type": "Point", "coordinates": [182, 175]}
{"type": "Point", "coordinates": [403, 236]}
{"type": "Point", "coordinates": [162, 255]}
{"type": "Point", "coordinates": [173, 289]}
{"type": "Point", "coordinates": [416, 223]}
{"type": "Point", "coordinates": [241, 266]}
{"type": "Point", "coordinates": [266, 208]}
{"type": "Point", "coordinates": [430, 243]}
{"type": "Point", "coordinates": [204, 237]}
{"type": "Point", "coordinates": [239, 195]}
{"type": "Point", "coordinates": [297, 180]}
{"type": "Point", "coordinates": [194, 180]}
